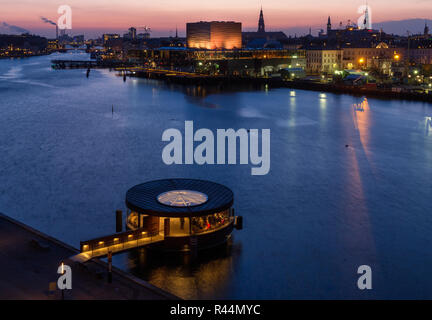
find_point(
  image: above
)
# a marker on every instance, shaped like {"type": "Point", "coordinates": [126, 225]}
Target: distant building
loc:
{"type": "Point", "coordinates": [78, 39]}
{"type": "Point", "coordinates": [422, 56]}
{"type": "Point", "coordinates": [109, 36]}
{"type": "Point", "coordinates": [131, 34]}
{"type": "Point", "coordinates": [243, 62]}
{"type": "Point", "coordinates": [261, 38]}
{"type": "Point", "coordinates": [53, 45]}
{"type": "Point", "coordinates": [214, 35]}
{"type": "Point", "coordinates": [353, 35]}
{"type": "Point", "coordinates": [381, 59]}
{"type": "Point", "coordinates": [323, 60]}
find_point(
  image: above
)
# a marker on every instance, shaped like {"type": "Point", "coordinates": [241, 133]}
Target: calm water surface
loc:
{"type": "Point", "coordinates": [323, 210]}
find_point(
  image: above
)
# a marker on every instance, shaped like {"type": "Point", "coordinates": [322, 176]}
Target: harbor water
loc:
{"type": "Point", "coordinates": [346, 187]}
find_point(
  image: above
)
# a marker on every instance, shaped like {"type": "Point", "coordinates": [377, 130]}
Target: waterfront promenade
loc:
{"type": "Point", "coordinates": [190, 78]}
{"type": "Point", "coordinates": [29, 262]}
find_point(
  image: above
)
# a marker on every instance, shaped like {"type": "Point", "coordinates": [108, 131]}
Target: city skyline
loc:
{"type": "Point", "coordinates": [163, 17]}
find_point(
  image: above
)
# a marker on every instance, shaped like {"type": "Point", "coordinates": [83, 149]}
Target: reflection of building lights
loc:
{"type": "Point", "coordinates": [292, 94]}
{"type": "Point", "coordinates": [322, 96]}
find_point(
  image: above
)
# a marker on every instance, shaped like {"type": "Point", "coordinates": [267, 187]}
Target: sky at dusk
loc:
{"type": "Point", "coordinates": [93, 17]}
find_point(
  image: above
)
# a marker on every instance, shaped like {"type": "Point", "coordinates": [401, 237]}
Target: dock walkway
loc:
{"type": "Point", "coordinates": [116, 248]}
{"type": "Point", "coordinates": [29, 262]}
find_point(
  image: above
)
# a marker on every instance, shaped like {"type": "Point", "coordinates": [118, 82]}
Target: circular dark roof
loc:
{"type": "Point", "coordinates": [143, 198]}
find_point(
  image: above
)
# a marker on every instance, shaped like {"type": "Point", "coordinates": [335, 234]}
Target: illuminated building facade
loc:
{"type": "Point", "coordinates": [107, 36]}
{"type": "Point", "coordinates": [214, 35]}
{"type": "Point", "coordinates": [323, 60]}
{"type": "Point", "coordinates": [328, 61]}
{"type": "Point", "coordinates": [244, 62]}
{"type": "Point", "coordinates": [381, 58]}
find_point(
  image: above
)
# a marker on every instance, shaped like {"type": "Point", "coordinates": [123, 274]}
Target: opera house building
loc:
{"type": "Point", "coordinates": [214, 35]}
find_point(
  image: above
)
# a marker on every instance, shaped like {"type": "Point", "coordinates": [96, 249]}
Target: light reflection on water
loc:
{"type": "Point", "coordinates": [323, 209]}
{"type": "Point", "coordinates": [205, 278]}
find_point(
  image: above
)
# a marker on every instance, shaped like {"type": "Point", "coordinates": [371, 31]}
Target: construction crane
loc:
{"type": "Point", "coordinates": [146, 30]}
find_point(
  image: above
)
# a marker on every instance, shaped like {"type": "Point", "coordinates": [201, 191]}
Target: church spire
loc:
{"type": "Point", "coordinates": [328, 25]}
{"type": "Point", "coordinates": [261, 25]}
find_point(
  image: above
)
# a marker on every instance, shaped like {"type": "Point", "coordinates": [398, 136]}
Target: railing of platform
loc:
{"type": "Point", "coordinates": [118, 242]}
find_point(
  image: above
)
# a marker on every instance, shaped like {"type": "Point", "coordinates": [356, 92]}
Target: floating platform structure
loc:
{"type": "Point", "coordinates": [182, 215]}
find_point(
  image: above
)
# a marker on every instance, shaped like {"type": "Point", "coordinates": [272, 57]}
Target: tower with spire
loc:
{"type": "Point", "coordinates": [426, 29]}
{"type": "Point", "coordinates": [261, 25]}
{"type": "Point", "coordinates": [328, 25]}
